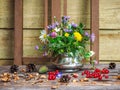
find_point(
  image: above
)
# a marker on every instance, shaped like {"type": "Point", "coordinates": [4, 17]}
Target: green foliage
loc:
{"type": "Point", "coordinates": [66, 38]}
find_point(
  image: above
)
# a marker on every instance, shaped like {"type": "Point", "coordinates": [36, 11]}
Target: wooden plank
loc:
{"type": "Point", "coordinates": [109, 45]}
{"type": "Point", "coordinates": [33, 13]}
{"type": "Point", "coordinates": [95, 27]}
{"type": "Point", "coordinates": [6, 13]}
{"type": "Point", "coordinates": [6, 43]}
{"type": "Point", "coordinates": [6, 62]}
{"type": "Point", "coordinates": [56, 9]}
{"type": "Point", "coordinates": [109, 14]}
{"type": "Point", "coordinates": [18, 44]}
{"type": "Point", "coordinates": [65, 8]}
{"type": "Point", "coordinates": [46, 14]}
{"type": "Point", "coordinates": [79, 10]}
{"type": "Point", "coordinates": [30, 40]}
{"type": "Point", "coordinates": [36, 83]}
{"type": "Point", "coordinates": [36, 60]}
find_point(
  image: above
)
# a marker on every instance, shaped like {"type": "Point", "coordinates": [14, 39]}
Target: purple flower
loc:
{"type": "Point", "coordinates": [65, 19]}
{"type": "Point", "coordinates": [67, 30]}
{"type": "Point", "coordinates": [49, 27]}
{"type": "Point", "coordinates": [45, 54]}
{"type": "Point", "coordinates": [87, 34]}
{"type": "Point", "coordinates": [92, 37]}
{"type": "Point", "coordinates": [53, 34]}
{"type": "Point", "coordinates": [56, 23]}
{"type": "Point", "coordinates": [74, 25]}
{"type": "Point", "coordinates": [53, 26]}
{"type": "Point", "coordinates": [36, 47]}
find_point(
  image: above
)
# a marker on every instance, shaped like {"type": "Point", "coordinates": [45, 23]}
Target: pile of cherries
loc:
{"type": "Point", "coordinates": [97, 73]}
{"type": "Point", "coordinates": [53, 75]}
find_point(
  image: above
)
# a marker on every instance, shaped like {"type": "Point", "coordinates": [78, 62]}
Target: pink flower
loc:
{"type": "Point", "coordinates": [53, 34]}
{"type": "Point", "coordinates": [95, 62]}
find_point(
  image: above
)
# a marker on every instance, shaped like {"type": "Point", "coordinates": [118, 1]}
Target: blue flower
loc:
{"type": "Point", "coordinates": [74, 25]}
{"type": "Point", "coordinates": [67, 30]}
{"type": "Point", "coordinates": [87, 34]}
{"type": "Point", "coordinates": [65, 19]}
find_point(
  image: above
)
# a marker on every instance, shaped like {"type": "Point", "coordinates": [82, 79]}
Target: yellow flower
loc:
{"type": "Point", "coordinates": [66, 34]}
{"type": "Point", "coordinates": [77, 36]}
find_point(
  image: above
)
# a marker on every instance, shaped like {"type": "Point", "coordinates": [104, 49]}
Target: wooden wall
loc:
{"type": "Point", "coordinates": [33, 20]}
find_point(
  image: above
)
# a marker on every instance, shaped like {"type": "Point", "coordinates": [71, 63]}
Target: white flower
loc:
{"type": "Point", "coordinates": [57, 29]}
{"type": "Point", "coordinates": [43, 36]}
{"type": "Point", "coordinates": [92, 53]}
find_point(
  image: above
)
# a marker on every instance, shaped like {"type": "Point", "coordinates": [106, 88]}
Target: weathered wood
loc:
{"type": "Point", "coordinates": [30, 40]}
{"type": "Point", "coordinates": [56, 9]}
{"type": "Point", "coordinates": [95, 27]}
{"type": "Point", "coordinates": [5, 62]}
{"type": "Point", "coordinates": [18, 32]}
{"type": "Point", "coordinates": [6, 43]}
{"type": "Point", "coordinates": [33, 13]}
{"type": "Point", "coordinates": [79, 10]}
{"type": "Point", "coordinates": [46, 14]}
{"type": "Point", "coordinates": [112, 83]}
{"type": "Point", "coordinates": [109, 14]}
{"type": "Point", "coordinates": [109, 18]}
{"type": "Point", "coordinates": [65, 8]}
{"type": "Point", "coordinates": [109, 45]}
{"type": "Point", "coordinates": [6, 13]}
{"type": "Point", "coordinates": [36, 60]}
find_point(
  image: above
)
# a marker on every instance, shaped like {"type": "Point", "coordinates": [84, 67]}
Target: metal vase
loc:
{"type": "Point", "coordinates": [67, 63]}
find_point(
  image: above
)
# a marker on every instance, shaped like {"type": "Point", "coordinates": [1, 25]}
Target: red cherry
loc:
{"type": "Point", "coordinates": [87, 75]}
{"type": "Point", "coordinates": [56, 72]}
{"type": "Point", "coordinates": [98, 74]}
{"type": "Point", "coordinates": [103, 71]}
{"type": "Point", "coordinates": [53, 73]}
{"type": "Point", "coordinates": [106, 76]}
{"type": "Point", "coordinates": [49, 78]}
{"type": "Point", "coordinates": [100, 78]}
{"type": "Point", "coordinates": [95, 76]}
{"type": "Point", "coordinates": [90, 76]}
{"type": "Point", "coordinates": [49, 72]}
{"type": "Point", "coordinates": [53, 77]}
{"type": "Point", "coordinates": [75, 75]}
{"type": "Point", "coordinates": [82, 73]}
{"type": "Point", "coordinates": [107, 71]}
{"type": "Point", "coordinates": [103, 75]}
{"type": "Point", "coordinates": [87, 72]}
{"type": "Point", "coordinates": [97, 70]}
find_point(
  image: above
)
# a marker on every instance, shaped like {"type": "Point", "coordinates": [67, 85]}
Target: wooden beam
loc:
{"type": "Point", "coordinates": [56, 9]}
{"type": "Point", "coordinates": [95, 26]}
{"type": "Point", "coordinates": [18, 33]}
{"type": "Point", "coordinates": [46, 14]}
{"type": "Point", "coordinates": [36, 60]}
{"type": "Point", "coordinates": [65, 7]}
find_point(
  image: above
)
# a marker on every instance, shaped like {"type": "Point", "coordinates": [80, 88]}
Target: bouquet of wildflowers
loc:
{"type": "Point", "coordinates": [66, 38]}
